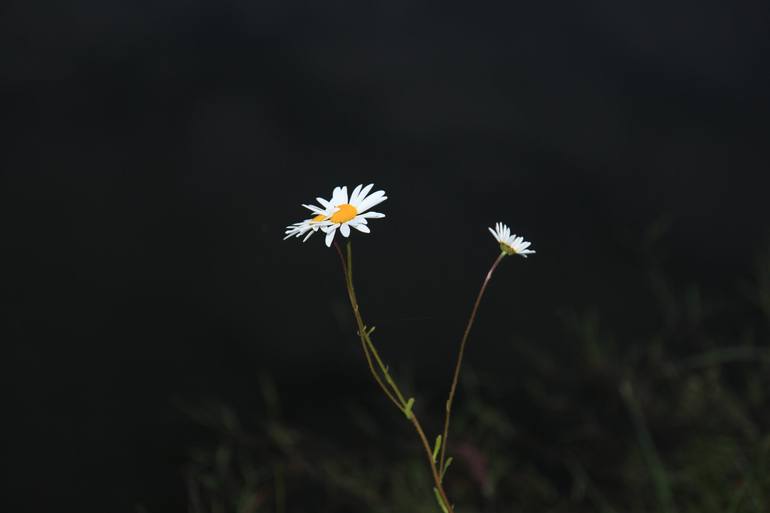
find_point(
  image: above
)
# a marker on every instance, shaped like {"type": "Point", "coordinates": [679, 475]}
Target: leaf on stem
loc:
{"type": "Point", "coordinates": [446, 466]}
{"type": "Point", "coordinates": [436, 447]}
{"type": "Point", "coordinates": [408, 410]}
{"type": "Point", "coordinates": [440, 500]}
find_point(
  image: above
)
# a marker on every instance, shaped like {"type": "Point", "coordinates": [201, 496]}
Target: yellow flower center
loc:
{"type": "Point", "coordinates": [345, 213]}
{"type": "Point", "coordinates": [318, 218]}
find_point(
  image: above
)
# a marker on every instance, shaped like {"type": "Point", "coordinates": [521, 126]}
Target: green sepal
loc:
{"type": "Point", "coordinates": [436, 447]}
{"type": "Point", "coordinates": [408, 408]}
{"type": "Point", "coordinates": [440, 500]}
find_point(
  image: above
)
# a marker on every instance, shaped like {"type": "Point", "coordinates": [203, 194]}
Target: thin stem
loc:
{"type": "Point", "coordinates": [366, 339]}
{"type": "Point", "coordinates": [456, 377]}
{"type": "Point", "coordinates": [384, 369]}
{"type": "Point", "coordinates": [399, 403]}
{"type": "Point", "coordinates": [429, 454]}
{"type": "Point", "coordinates": [363, 335]}
{"type": "Point", "coordinates": [342, 261]}
{"type": "Point", "coordinates": [369, 351]}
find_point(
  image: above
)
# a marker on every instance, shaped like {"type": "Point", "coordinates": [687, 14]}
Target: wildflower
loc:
{"type": "Point", "coordinates": [510, 244]}
{"type": "Point", "coordinates": [340, 213]}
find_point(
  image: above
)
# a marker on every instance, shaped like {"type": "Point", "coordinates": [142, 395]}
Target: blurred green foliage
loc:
{"type": "Point", "coordinates": [673, 416]}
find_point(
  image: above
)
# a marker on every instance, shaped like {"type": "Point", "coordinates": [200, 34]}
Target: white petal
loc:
{"type": "Point", "coordinates": [354, 195]}
{"type": "Point", "coordinates": [329, 238]}
{"type": "Point", "coordinates": [323, 202]}
{"type": "Point", "coordinates": [362, 228]}
{"type": "Point", "coordinates": [375, 199]}
{"type": "Point", "coordinates": [361, 196]}
{"type": "Point", "coordinates": [313, 209]}
{"type": "Point", "coordinates": [358, 220]}
{"type": "Point", "coordinates": [345, 230]}
{"type": "Point", "coordinates": [339, 196]}
{"type": "Point", "coordinates": [372, 215]}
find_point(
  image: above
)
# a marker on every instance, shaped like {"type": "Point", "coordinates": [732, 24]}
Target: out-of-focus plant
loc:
{"type": "Point", "coordinates": [671, 414]}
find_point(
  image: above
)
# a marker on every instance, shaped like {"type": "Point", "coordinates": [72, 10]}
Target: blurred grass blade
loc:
{"type": "Point", "coordinates": [649, 453]}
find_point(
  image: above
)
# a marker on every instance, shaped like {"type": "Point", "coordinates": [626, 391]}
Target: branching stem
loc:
{"type": "Point", "coordinates": [452, 390]}
{"type": "Point", "coordinates": [392, 391]}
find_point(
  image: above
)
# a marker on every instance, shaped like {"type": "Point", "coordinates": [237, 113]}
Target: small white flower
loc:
{"type": "Point", "coordinates": [340, 213]}
{"type": "Point", "coordinates": [309, 226]}
{"type": "Point", "coordinates": [510, 243]}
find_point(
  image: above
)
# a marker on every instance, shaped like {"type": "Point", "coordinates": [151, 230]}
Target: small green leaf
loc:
{"type": "Point", "coordinates": [408, 408]}
{"type": "Point", "coordinates": [446, 466]}
{"type": "Point", "coordinates": [440, 500]}
{"type": "Point", "coordinates": [436, 447]}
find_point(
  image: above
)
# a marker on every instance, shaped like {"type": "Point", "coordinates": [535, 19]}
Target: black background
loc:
{"type": "Point", "coordinates": [154, 153]}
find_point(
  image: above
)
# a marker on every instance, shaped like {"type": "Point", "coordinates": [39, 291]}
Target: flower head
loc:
{"type": "Point", "coordinates": [510, 243]}
{"type": "Point", "coordinates": [341, 213]}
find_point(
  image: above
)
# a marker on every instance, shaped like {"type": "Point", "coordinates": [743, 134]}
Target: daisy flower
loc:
{"type": "Point", "coordinates": [344, 212]}
{"type": "Point", "coordinates": [510, 243]}
{"type": "Point", "coordinates": [340, 213]}
{"type": "Point", "coordinates": [309, 226]}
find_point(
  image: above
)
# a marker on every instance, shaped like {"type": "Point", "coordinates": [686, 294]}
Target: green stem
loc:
{"type": "Point", "coordinates": [456, 376]}
{"type": "Point", "coordinates": [362, 333]}
{"type": "Point", "coordinates": [369, 351]}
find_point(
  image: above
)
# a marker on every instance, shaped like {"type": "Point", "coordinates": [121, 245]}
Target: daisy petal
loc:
{"type": "Point", "coordinates": [339, 197]}
{"type": "Point", "coordinates": [361, 196]}
{"type": "Point", "coordinates": [313, 209]}
{"type": "Point", "coordinates": [510, 243]}
{"type": "Point", "coordinates": [375, 199]}
{"type": "Point", "coordinates": [329, 238]}
{"type": "Point", "coordinates": [354, 195]}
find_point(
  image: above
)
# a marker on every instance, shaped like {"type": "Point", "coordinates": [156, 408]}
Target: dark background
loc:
{"type": "Point", "coordinates": [154, 153]}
